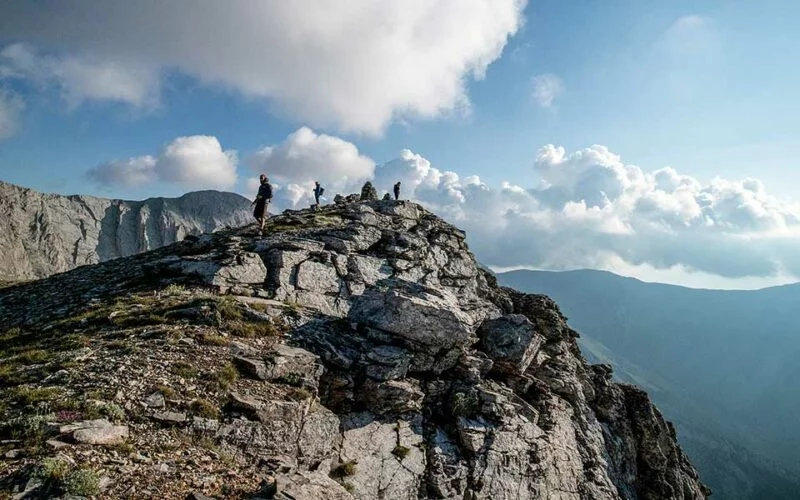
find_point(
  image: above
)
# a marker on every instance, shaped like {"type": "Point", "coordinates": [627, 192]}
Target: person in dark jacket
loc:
{"type": "Point", "coordinates": [397, 190]}
{"type": "Point", "coordinates": [318, 190]}
{"type": "Point", "coordinates": [263, 198]}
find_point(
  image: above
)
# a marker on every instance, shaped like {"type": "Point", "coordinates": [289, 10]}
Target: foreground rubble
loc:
{"type": "Point", "coordinates": [355, 351]}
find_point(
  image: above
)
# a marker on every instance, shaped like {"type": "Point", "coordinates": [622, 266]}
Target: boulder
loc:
{"type": "Point", "coordinates": [424, 316]}
{"type": "Point", "coordinates": [99, 431]}
{"type": "Point", "coordinates": [511, 342]}
{"type": "Point", "coordinates": [292, 365]}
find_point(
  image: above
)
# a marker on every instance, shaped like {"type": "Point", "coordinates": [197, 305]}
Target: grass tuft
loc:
{"type": "Point", "coordinates": [183, 369]}
{"type": "Point", "coordinates": [204, 408]}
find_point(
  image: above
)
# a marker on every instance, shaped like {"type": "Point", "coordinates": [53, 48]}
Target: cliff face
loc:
{"type": "Point", "coordinates": [43, 234]}
{"type": "Point", "coordinates": [357, 352]}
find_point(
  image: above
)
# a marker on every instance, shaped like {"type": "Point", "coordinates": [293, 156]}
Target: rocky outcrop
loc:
{"type": "Point", "coordinates": [43, 234]}
{"type": "Point", "coordinates": [374, 360]}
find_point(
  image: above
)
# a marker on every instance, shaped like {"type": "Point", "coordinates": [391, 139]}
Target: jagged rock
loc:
{"type": "Point", "coordinates": [293, 365]}
{"type": "Point", "coordinates": [368, 192]}
{"type": "Point", "coordinates": [244, 403]}
{"type": "Point", "coordinates": [338, 199]}
{"type": "Point", "coordinates": [252, 368]}
{"type": "Point", "coordinates": [420, 314]}
{"type": "Point", "coordinates": [511, 342]}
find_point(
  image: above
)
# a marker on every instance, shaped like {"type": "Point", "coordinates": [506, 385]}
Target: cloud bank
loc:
{"type": "Point", "coordinates": [355, 65]}
{"type": "Point", "coordinates": [580, 209]}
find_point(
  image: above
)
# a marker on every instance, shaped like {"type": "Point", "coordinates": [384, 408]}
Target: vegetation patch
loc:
{"type": "Point", "coordinates": [33, 395]}
{"type": "Point", "coordinates": [248, 329]}
{"type": "Point", "coordinates": [298, 394]}
{"type": "Point", "coordinates": [166, 391]}
{"type": "Point", "coordinates": [214, 340]}
{"type": "Point", "coordinates": [34, 356]}
{"type": "Point", "coordinates": [82, 482]}
{"type": "Point", "coordinates": [54, 469]}
{"type": "Point", "coordinates": [344, 469]}
{"type": "Point", "coordinates": [226, 376]}
{"type": "Point", "coordinates": [183, 369]}
{"type": "Point", "coordinates": [204, 408]}
{"type": "Point", "coordinates": [229, 309]}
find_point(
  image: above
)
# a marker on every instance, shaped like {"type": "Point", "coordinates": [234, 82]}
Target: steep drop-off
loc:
{"type": "Point", "coordinates": [355, 351]}
{"type": "Point", "coordinates": [43, 234]}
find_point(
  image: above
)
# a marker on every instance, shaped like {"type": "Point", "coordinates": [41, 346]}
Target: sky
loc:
{"type": "Point", "coordinates": [652, 139]}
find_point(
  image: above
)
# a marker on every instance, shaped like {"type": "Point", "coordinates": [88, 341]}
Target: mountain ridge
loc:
{"type": "Point", "coordinates": [42, 233]}
{"type": "Point", "coordinates": [353, 351]}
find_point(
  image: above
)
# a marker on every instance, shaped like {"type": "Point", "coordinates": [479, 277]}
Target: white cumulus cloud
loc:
{"type": "Point", "coordinates": [194, 162]}
{"type": "Point", "coordinates": [354, 64]}
{"type": "Point", "coordinates": [304, 157]}
{"type": "Point", "coordinates": [588, 208]}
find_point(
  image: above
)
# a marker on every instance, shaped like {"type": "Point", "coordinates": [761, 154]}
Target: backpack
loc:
{"type": "Point", "coordinates": [321, 190]}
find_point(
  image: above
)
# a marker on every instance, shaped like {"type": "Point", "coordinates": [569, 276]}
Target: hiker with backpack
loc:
{"type": "Point", "coordinates": [262, 201]}
{"type": "Point", "coordinates": [397, 190]}
{"type": "Point", "coordinates": [318, 190]}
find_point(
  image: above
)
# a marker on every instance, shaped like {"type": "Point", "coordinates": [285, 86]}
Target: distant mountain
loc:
{"type": "Point", "coordinates": [723, 365]}
{"type": "Point", "coordinates": [42, 234]}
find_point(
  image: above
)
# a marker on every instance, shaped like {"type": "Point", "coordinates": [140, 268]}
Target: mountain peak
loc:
{"type": "Point", "coordinates": [352, 351]}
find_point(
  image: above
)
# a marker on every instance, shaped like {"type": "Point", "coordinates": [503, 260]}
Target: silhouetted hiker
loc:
{"type": "Point", "coordinates": [318, 190]}
{"type": "Point", "coordinates": [263, 198]}
{"type": "Point", "coordinates": [397, 190]}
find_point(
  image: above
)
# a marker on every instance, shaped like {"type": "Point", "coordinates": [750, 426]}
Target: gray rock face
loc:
{"type": "Point", "coordinates": [43, 234]}
{"type": "Point", "coordinates": [511, 342]}
{"type": "Point", "coordinates": [404, 371]}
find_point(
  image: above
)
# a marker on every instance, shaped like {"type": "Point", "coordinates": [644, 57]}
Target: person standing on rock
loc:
{"type": "Point", "coordinates": [318, 190]}
{"type": "Point", "coordinates": [397, 190]}
{"type": "Point", "coordinates": [262, 201]}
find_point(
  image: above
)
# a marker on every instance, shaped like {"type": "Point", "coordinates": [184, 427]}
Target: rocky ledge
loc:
{"type": "Point", "coordinates": [354, 351]}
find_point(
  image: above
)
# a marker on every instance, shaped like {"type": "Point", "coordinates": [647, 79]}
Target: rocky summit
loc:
{"type": "Point", "coordinates": [42, 234]}
{"type": "Point", "coordinates": [352, 351]}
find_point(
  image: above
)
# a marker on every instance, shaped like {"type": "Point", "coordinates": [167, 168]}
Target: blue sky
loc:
{"type": "Point", "coordinates": [706, 87]}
